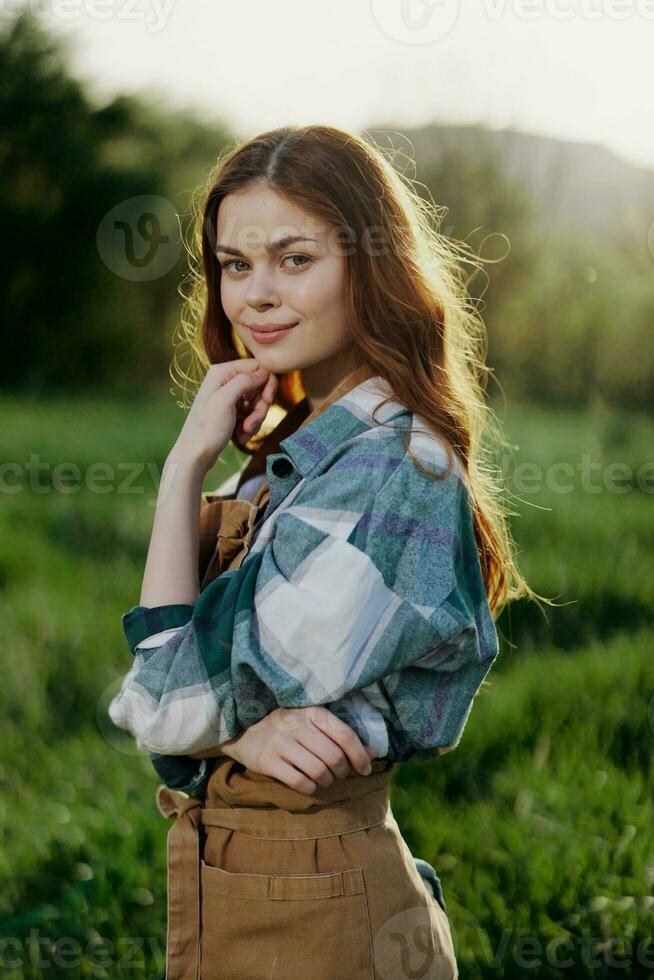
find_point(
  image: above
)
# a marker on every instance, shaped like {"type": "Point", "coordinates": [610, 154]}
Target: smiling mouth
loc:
{"type": "Point", "coordinates": [262, 336]}
{"type": "Point", "coordinates": [275, 329]}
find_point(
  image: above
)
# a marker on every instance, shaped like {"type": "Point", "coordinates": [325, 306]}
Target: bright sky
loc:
{"type": "Point", "coordinates": [576, 69]}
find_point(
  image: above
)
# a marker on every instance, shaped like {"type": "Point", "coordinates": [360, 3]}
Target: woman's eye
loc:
{"type": "Point", "coordinates": [225, 265]}
{"type": "Point", "coordinates": [298, 255]}
{"type": "Point", "coordinates": [304, 260]}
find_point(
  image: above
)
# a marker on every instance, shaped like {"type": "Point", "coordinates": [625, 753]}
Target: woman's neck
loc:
{"type": "Point", "coordinates": [319, 380]}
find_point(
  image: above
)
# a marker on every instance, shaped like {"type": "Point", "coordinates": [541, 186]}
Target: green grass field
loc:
{"type": "Point", "coordinates": [539, 824]}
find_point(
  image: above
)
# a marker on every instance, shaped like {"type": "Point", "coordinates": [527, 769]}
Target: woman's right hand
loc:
{"type": "Point", "coordinates": [232, 401]}
{"type": "Point", "coordinates": [301, 747]}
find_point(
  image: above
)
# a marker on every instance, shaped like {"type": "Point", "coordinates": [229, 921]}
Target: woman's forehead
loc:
{"type": "Point", "coordinates": [263, 208]}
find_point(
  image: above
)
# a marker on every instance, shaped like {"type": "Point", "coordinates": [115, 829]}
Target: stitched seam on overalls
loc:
{"type": "Point", "coordinates": [372, 949]}
{"type": "Point", "coordinates": [336, 833]}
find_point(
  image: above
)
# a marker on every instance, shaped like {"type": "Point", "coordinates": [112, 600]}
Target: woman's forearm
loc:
{"type": "Point", "coordinates": [218, 415]}
{"type": "Point", "coordinates": [171, 569]}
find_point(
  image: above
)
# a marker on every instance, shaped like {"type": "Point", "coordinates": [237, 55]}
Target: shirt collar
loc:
{"type": "Point", "coordinates": [346, 412]}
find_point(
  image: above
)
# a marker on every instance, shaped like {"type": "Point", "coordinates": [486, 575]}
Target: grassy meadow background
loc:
{"type": "Point", "coordinates": [540, 823]}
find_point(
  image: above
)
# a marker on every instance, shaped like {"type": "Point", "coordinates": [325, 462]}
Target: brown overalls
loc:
{"type": "Point", "coordinates": [267, 883]}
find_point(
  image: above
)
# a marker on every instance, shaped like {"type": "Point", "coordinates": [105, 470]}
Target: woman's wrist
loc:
{"type": "Point", "coordinates": [186, 460]}
{"type": "Point", "coordinates": [225, 748]}
{"type": "Point", "coordinates": [181, 480]}
{"type": "Point", "coordinates": [229, 748]}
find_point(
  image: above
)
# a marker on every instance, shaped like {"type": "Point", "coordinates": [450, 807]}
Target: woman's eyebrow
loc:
{"type": "Point", "coordinates": [271, 249]}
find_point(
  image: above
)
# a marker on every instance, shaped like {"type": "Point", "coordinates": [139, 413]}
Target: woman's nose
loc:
{"type": "Point", "coordinates": [261, 290]}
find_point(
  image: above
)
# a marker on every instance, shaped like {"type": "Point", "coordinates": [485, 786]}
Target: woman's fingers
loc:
{"type": "Point", "coordinates": [220, 375]}
{"type": "Point", "coordinates": [287, 774]}
{"type": "Point", "coordinates": [254, 408]}
{"type": "Point", "coordinates": [326, 737]}
{"type": "Point", "coordinates": [326, 750]}
{"type": "Point", "coordinates": [303, 747]}
{"type": "Point", "coordinates": [248, 424]}
{"type": "Point", "coordinates": [307, 762]}
{"type": "Point", "coordinates": [261, 401]}
{"type": "Point", "coordinates": [345, 738]}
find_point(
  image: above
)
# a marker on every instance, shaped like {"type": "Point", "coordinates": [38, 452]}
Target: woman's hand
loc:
{"type": "Point", "coordinates": [233, 400]}
{"type": "Point", "coordinates": [302, 747]}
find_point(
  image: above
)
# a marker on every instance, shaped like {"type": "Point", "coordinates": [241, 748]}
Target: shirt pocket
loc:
{"type": "Point", "coordinates": [285, 927]}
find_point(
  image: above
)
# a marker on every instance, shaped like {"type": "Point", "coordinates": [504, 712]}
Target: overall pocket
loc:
{"type": "Point", "coordinates": [284, 927]}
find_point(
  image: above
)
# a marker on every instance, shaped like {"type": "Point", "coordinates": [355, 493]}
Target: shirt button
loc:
{"type": "Point", "coordinates": [282, 466]}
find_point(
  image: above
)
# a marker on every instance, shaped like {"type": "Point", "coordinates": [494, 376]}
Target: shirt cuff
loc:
{"type": "Point", "coordinates": [140, 622]}
{"type": "Point", "coordinates": [183, 773]}
{"type": "Point", "coordinates": [157, 639]}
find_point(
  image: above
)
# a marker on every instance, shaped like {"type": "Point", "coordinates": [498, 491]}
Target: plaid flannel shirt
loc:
{"type": "Point", "coordinates": [362, 591]}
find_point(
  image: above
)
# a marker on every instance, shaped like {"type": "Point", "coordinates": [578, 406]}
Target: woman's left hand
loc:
{"type": "Point", "coordinates": [301, 747]}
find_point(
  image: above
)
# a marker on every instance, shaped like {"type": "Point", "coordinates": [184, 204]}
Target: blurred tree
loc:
{"type": "Point", "coordinates": [74, 319]}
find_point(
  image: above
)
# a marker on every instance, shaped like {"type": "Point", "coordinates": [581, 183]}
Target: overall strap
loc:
{"type": "Point", "coordinates": [183, 924]}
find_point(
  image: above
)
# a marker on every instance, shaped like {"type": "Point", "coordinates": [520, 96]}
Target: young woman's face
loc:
{"type": "Point", "coordinates": [300, 283]}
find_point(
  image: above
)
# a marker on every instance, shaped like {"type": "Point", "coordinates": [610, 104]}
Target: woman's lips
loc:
{"type": "Point", "coordinates": [270, 336]}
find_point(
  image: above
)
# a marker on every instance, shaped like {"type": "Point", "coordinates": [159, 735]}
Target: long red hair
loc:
{"type": "Point", "coordinates": [411, 316]}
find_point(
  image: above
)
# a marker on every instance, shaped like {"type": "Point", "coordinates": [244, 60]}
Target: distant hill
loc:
{"type": "Point", "coordinates": [582, 187]}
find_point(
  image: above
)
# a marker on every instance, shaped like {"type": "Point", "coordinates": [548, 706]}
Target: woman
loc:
{"type": "Point", "coordinates": [356, 622]}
